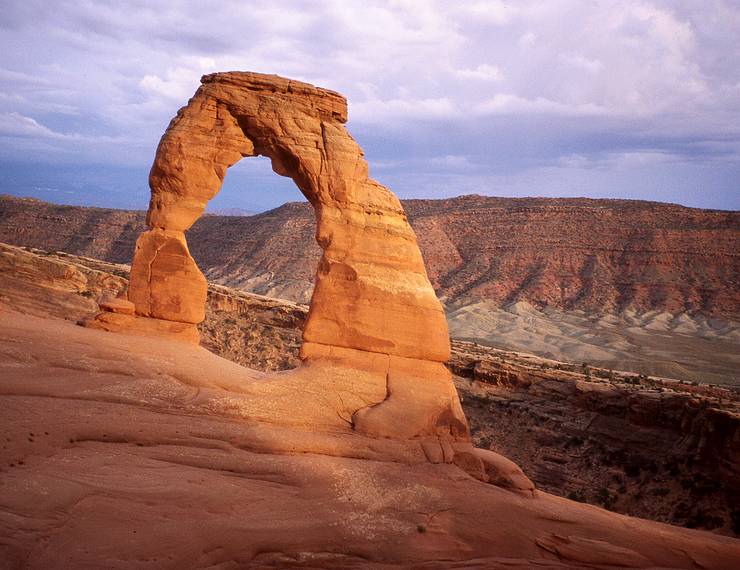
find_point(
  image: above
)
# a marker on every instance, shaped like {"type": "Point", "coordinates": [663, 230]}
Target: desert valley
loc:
{"type": "Point", "coordinates": [476, 383]}
{"type": "Point", "coordinates": [645, 287]}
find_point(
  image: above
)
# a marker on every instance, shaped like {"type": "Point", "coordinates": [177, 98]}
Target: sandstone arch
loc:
{"type": "Point", "coordinates": [373, 305]}
{"type": "Point", "coordinates": [372, 292]}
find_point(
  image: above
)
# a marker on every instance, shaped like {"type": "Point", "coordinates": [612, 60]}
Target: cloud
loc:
{"type": "Point", "coordinates": [178, 83]}
{"type": "Point", "coordinates": [483, 72]}
{"type": "Point", "coordinates": [8, 76]}
{"type": "Point", "coordinates": [15, 124]}
{"type": "Point", "coordinates": [527, 39]}
{"type": "Point", "coordinates": [370, 111]}
{"type": "Point", "coordinates": [509, 104]}
{"type": "Point", "coordinates": [577, 60]}
{"type": "Point", "coordinates": [621, 160]}
{"type": "Point", "coordinates": [490, 11]}
{"type": "Point", "coordinates": [453, 162]}
{"type": "Point", "coordinates": [511, 87]}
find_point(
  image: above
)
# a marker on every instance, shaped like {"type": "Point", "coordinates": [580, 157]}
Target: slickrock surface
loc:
{"type": "Point", "coordinates": [130, 452]}
{"type": "Point", "coordinates": [646, 447]}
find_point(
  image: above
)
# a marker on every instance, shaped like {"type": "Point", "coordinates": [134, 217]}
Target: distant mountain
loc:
{"type": "Point", "coordinates": [567, 254]}
{"type": "Point", "coordinates": [230, 212]}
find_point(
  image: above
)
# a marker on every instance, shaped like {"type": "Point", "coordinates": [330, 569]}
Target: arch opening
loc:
{"type": "Point", "coordinates": [375, 330]}
{"type": "Point", "coordinates": [371, 289]}
{"type": "Point", "coordinates": [251, 186]}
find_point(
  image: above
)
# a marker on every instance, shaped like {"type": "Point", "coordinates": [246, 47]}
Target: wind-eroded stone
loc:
{"type": "Point", "coordinates": [165, 281]}
{"type": "Point", "coordinates": [372, 291]}
{"type": "Point", "coordinates": [372, 302]}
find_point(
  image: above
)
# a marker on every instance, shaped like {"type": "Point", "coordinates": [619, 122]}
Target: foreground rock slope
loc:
{"type": "Point", "coordinates": [115, 456]}
{"type": "Point", "coordinates": [125, 451]}
{"type": "Point", "coordinates": [658, 449]}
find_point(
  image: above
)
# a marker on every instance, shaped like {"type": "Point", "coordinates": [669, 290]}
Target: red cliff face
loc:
{"type": "Point", "coordinates": [593, 255]}
{"type": "Point", "coordinates": [570, 253]}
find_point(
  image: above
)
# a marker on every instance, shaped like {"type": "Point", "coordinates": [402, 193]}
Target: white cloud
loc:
{"type": "Point", "coordinates": [8, 76]}
{"type": "Point", "coordinates": [179, 83]}
{"type": "Point", "coordinates": [490, 11]}
{"type": "Point", "coordinates": [483, 72]}
{"type": "Point", "coordinates": [577, 60]}
{"type": "Point", "coordinates": [19, 125]}
{"type": "Point", "coordinates": [509, 104]}
{"type": "Point", "coordinates": [620, 160]}
{"type": "Point", "coordinates": [527, 39]}
{"type": "Point", "coordinates": [452, 161]}
{"type": "Point", "coordinates": [539, 76]}
{"type": "Point", "coordinates": [374, 110]}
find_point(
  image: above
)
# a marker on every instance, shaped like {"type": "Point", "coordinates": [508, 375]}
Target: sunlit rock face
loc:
{"type": "Point", "coordinates": [372, 291]}
{"type": "Point", "coordinates": [373, 307]}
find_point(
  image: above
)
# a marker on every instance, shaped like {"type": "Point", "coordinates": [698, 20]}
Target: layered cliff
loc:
{"type": "Point", "coordinates": [603, 256]}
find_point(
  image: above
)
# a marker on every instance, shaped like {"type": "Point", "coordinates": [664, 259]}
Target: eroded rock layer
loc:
{"type": "Point", "coordinates": [645, 256]}
{"type": "Point", "coordinates": [375, 330]}
{"type": "Point", "coordinates": [372, 292]}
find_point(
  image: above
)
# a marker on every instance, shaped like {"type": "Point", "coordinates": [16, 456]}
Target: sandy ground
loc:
{"type": "Point", "coordinates": [658, 344]}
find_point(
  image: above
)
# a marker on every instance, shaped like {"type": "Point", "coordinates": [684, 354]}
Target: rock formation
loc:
{"type": "Point", "coordinates": [372, 292]}
{"type": "Point", "coordinates": [122, 451]}
{"type": "Point", "coordinates": [645, 256]}
{"type": "Point", "coordinates": [656, 449]}
{"type": "Point", "coordinates": [373, 310]}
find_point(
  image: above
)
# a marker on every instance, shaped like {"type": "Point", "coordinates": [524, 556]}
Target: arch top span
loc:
{"type": "Point", "coordinates": [372, 292]}
{"type": "Point", "coordinates": [233, 115]}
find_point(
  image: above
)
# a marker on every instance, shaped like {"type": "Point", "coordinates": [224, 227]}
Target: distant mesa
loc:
{"type": "Point", "coordinates": [234, 212]}
{"type": "Point", "coordinates": [644, 257]}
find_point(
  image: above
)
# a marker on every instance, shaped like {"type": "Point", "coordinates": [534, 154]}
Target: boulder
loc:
{"type": "Point", "coordinates": [117, 305]}
{"type": "Point", "coordinates": [503, 472]}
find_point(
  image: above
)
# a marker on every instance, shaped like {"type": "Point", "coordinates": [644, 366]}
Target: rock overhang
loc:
{"type": "Point", "coordinates": [326, 101]}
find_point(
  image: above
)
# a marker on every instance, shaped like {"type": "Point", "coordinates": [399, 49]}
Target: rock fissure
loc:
{"type": "Point", "coordinates": [149, 276]}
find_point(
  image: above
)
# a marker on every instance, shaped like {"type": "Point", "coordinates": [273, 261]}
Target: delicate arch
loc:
{"type": "Point", "coordinates": [372, 292]}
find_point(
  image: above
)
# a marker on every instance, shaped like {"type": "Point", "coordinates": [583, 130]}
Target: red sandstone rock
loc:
{"type": "Point", "coordinates": [165, 282]}
{"type": "Point", "coordinates": [372, 292]}
{"type": "Point", "coordinates": [148, 419]}
{"type": "Point", "coordinates": [504, 472]}
{"type": "Point", "coordinates": [373, 314]}
{"type": "Point", "coordinates": [135, 325]}
{"type": "Point", "coordinates": [117, 305]}
{"type": "Point", "coordinates": [124, 451]}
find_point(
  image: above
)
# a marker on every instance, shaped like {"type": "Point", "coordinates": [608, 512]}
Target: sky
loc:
{"type": "Point", "coordinates": [634, 99]}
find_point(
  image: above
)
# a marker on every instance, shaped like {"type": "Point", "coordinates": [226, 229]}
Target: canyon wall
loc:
{"type": "Point", "coordinates": [565, 253]}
